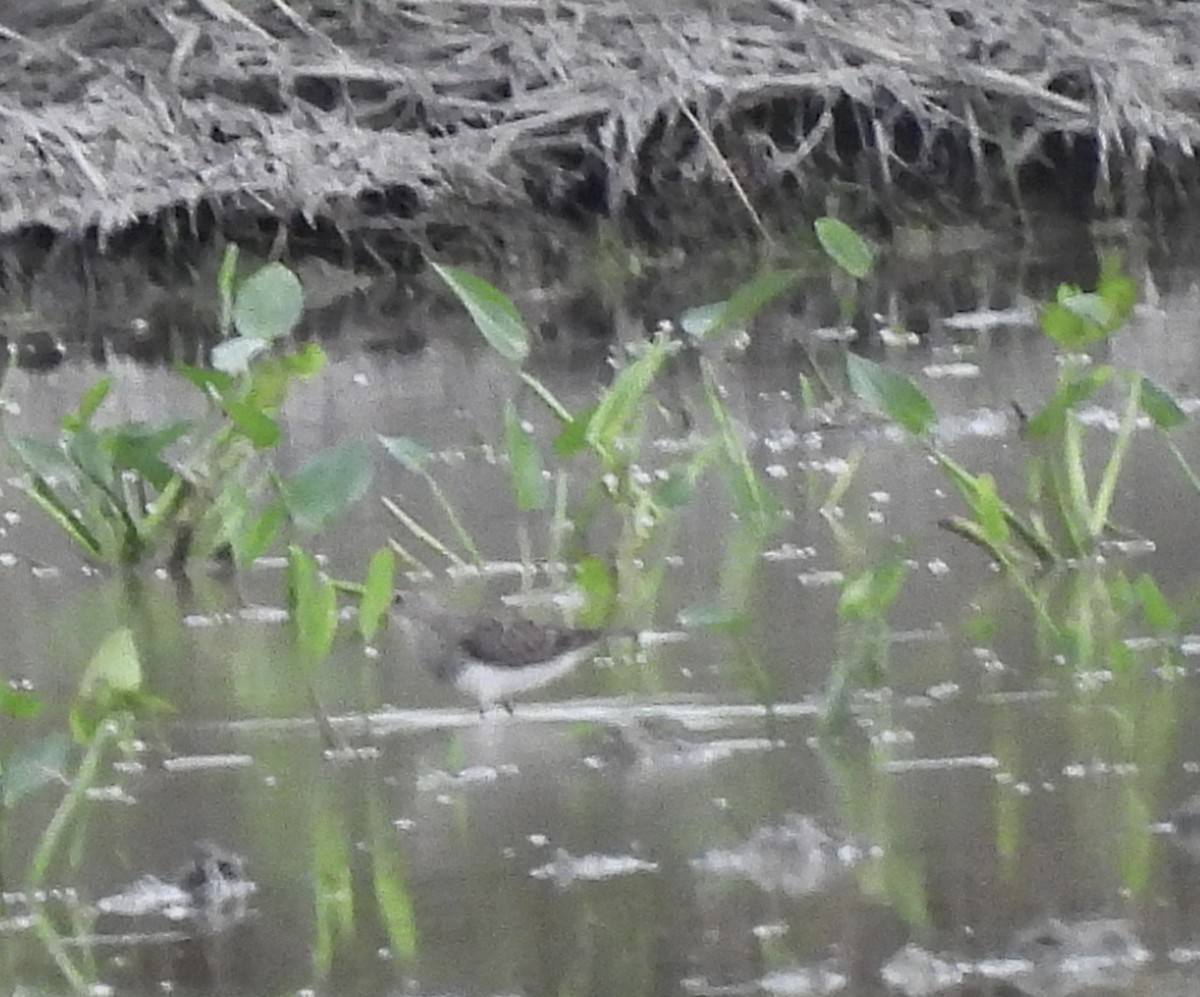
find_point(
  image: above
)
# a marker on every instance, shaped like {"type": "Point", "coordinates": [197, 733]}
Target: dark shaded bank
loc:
{"type": "Point", "coordinates": [358, 119]}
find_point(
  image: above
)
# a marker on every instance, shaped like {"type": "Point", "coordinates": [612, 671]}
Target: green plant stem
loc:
{"type": "Point", "coordinates": [464, 537]}
{"type": "Point", "coordinates": [422, 534]}
{"type": "Point", "coordinates": [84, 777]}
{"type": "Point", "coordinates": [1112, 470]}
{"type": "Point", "coordinates": [1193, 480]}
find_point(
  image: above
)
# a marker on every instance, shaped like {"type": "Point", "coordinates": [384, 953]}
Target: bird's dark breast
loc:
{"type": "Point", "coordinates": [513, 643]}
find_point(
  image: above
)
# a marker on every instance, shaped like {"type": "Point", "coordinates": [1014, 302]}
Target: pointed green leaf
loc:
{"type": "Point", "coordinates": [252, 542]}
{"type": "Point", "coordinates": [115, 665]}
{"type": "Point", "coordinates": [208, 382]}
{"type": "Point", "coordinates": [92, 399]}
{"type": "Point", "coordinates": [599, 587]}
{"type": "Point", "coordinates": [1160, 406]}
{"type": "Point", "coordinates": [378, 592]}
{"type": "Point", "coordinates": [1074, 390]}
{"type": "Point", "coordinates": [313, 603]}
{"type": "Point", "coordinates": [268, 304]}
{"type": "Point", "coordinates": [253, 423]}
{"type": "Point", "coordinates": [844, 246]}
{"type": "Point", "coordinates": [495, 316]}
{"type": "Point", "coordinates": [18, 704]}
{"type": "Point", "coordinates": [530, 488]}
{"type": "Point", "coordinates": [574, 435]}
{"type": "Point", "coordinates": [892, 394]}
{"type": "Point", "coordinates": [1159, 612]}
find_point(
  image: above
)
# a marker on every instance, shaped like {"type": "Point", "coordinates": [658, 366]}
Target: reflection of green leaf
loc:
{"type": "Point", "coordinates": [530, 488]}
{"type": "Point", "coordinates": [892, 394]}
{"type": "Point", "coordinates": [409, 453]}
{"type": "Point", "coordinates": [391, 890]}
{"type": "Point", "coordinates": [268, 304]}
{"type": "Point", "coordinates": [32, 765]}
{"type": "Point", "coordinates": [333, 888]}
{"type": "Point", "coordinates": [494, 314]}
{"type": "Point", "coordinates": [327, 485]}
{"type": "Point", "coordinates": [115, 665]}
{"type": "Point", "coordinates": [377, 592]}
{"type": "Point", "coordinates": [844, 246]}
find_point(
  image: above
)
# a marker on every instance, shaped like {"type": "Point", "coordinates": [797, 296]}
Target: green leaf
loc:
{"type": "Point", "coordinates": [844, 246]}
{"type": "Point", "coordinates": [409, 453]}
{"type": "Point", "coordinates": [225, 281]}
{"type": "Point", "coordinates": [115, 666]}
{"type": "Point", "coordinates": [313, 603]}
{"type": "Point", "coordinates": [92, 399]}
{"type": "Point", "coordinates": [49, 501]}
{"type": "Point", "coordinates": [1074, 390]}
{"type": "Point", "coordinates": [870, 594]}
{"type": "Point", "coordinates": [746, 302]}
{"type": "Point", "coordinates": [1160, 406]}
{"type": "Point", "coordinates": [209, 382]}
{"type": "Point", "coordinates": [1118, 289]}
{"type": "Point", "coordinates": [495, 316]}
{"type": "Point", "coordinates": [32, 765]}
{"type": "Point", "coordinates": [378, 591]}
{"type": "Point", "coordinates": [1157, 609]}
{"type": "Point", "coordinates": [233, 356]}
{"type": "Point", "coordinates": [253, 423]}
{"type": "Point", "coordinates": [990, 511]}
{"type": "Point", "coordinates": [530, 488]}
{"type": "Point", "coordinates": [574, 435]}
{"type": "Point", "coordinates": [599, 587]}
{"type": "Point", "coordinates": [252, 542]}
{"type": "Point", "coordinates": [268, 304]}
{"type": "Point", "coordinates": [892, 394]}
{"type": "Point", "coordinates": [18, 704]}
{"type": "Point", "coordinates": [621, 403]}
{"type": "Point", "coordinates": [328, 485]}
{"type": "Point", "coordinates": [306, 363]}
{"type": "Point", "coordinates": [42, 459]}
{"type": "Point", "coordinates": [138, 447]}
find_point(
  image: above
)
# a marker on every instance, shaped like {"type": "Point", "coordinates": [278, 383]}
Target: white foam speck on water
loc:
{"type": "Point", "coordinates": [566, 868]}
{"type": "Point", "coordinates": [803, 981]}
{"type": "Point", "coordinates": [985, 319]}
{"type": "Point", "coordinates": [203, 763]}
{"type": "Point", "coordinates": [899, 766]}
{"type": "Point", "coordinates": [474, 775]}
{"type": "Point", "coordinates": [954, 371]}
{"type": "Point", "coordinates": [820, 579]}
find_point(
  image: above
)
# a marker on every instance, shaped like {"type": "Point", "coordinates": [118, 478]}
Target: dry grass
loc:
{"type": "Point", "coordinates": [365, 113]}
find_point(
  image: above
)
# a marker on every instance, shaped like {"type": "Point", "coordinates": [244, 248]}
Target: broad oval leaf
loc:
{"type": "Point", "coordinates": [327, 485]}
{"type": "Point", "coordinates": [530, 488]}
{"type": "Point", "coordinates": [844, 246]}
{"type": "Point", "coordinates": [892, 394]}
{"type": "Point", "coordinates": [495, 316]}
{"type": "Point", "coordinates": [269, 303]}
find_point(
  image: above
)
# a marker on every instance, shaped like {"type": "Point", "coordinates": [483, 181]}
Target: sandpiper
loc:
{"type": "Point", "coordinates": [493, 658]}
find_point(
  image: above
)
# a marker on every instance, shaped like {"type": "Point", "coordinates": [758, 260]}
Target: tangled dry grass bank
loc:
{"type": "Point", "coordinates": [366, 115]}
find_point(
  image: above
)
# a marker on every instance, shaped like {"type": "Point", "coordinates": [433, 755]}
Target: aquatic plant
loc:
{"type": "Point", "coordinates": [1065, 515]}
{"type": "Point", "coordinates": [198, 488]}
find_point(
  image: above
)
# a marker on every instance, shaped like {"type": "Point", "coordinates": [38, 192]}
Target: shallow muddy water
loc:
{"type": "Point", "coordinates": [665, 818]}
